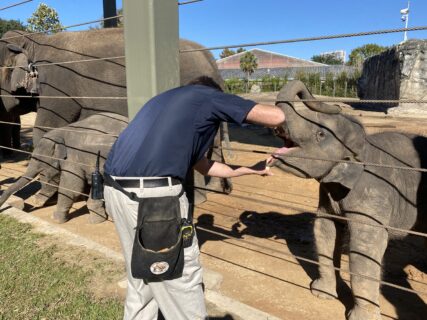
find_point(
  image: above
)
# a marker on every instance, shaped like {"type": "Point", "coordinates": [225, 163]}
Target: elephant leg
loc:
{"type": "Point", "coordinates": [367, 247]}
{"type": "Point", "coordinates": [97, 212]}
{"type": "Point", "coordinates": [72, 183]}
{"type": "Point", "coordinates": [325, 234]}
{"type": "Point", "coordinates": [16, 134]}
{"type": "Point", "coordinates": [46, 192]}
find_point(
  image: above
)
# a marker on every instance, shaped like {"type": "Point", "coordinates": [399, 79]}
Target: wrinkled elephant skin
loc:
{"type": "Point", "coordinates": [370, 194]}
{"type": "Point", "coordinates": [67, 156]}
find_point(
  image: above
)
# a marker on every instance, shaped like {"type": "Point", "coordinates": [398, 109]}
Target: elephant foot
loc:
{"type": "Point", "coordinates": [16, 202]}
{"type": "Point", "coordinates": [60, 217]}
{"type": "Point", "coordinates": [37, 201]}
{"type": "Point", "coordinates": [97, 217]}
{"type": "Point", "coordinates": [323, 288]}
{"type": "Point", "coordinates": [368, 312]}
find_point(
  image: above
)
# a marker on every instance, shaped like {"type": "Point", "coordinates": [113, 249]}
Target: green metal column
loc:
{"type": "Point", "coordinates": [152, 49]}
{"type": "Point", "coordinates": [110, 10]}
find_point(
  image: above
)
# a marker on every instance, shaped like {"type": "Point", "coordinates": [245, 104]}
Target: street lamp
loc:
{"type": "Point", "coordinates": [405, 18]}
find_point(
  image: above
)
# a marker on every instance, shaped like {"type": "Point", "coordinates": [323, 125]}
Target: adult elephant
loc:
{"type": "Point", "coordinates": [85, 79]}
{"type": "Point", "coordinates": [99, 78]}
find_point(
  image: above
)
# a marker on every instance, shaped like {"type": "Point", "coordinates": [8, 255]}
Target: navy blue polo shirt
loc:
{"type": "Point", "coordinates": [173, 131]}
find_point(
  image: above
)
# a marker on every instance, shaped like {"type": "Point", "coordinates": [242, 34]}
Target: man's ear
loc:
{"type": "Point", "coordinates": [341, 179]}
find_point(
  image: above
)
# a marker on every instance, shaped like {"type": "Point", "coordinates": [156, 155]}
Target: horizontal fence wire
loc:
{"type": "Point", "coordinates": [60, 129]}
{"type": "Point", "coordinates": [351, 100]}
{"type": "Point", "coordinates": [61, 97]}
{"type": "Point", "coordinates": [283, 156]}
{"type": "Point", "coordinates": [188, 2]}
{"type": "Point", "coordinates": [15, 5]}
{"type": "Point", "coordinates": [337, 36]}
{"type": "Point", "coordinates": [47, 157]}
{"type": "Point", "coordinates": [47, 64]}
{"type": "Point", "coordinates": [385, 283]}
{"type": "Point", "coordinates": [266, 248]}
{"type": "Point", "coordinates": [29, 34]}
{"type": "Point", "coordinates": [199, 227]}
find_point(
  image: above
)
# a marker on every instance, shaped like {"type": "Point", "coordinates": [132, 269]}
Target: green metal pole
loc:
{"type": "Point", "coordinates": [152, 49]}
{"type": "Point", "coordinates": [110, 10]}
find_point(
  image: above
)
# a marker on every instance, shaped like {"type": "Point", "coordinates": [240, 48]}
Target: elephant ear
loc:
{"type": "Point", "coordinates": [16, 49]}
{"type": "Point", "coordinates": [341, 179]}
{"type": "Point", "coordinates": [60, 150]}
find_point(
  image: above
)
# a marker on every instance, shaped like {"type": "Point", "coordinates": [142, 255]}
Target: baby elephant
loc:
{"type": "Point", "coordinates": [68, 155]}
{"type": "Point", "coordinates": [376, 196]}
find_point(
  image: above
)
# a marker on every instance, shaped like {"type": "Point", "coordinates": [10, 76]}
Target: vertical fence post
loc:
{"type": "Point", "coordinates": [110, 10]}
{"type": "Point", "coordinates": [152, 49]}
{"type": "Point", "coordinates": [345, 89]}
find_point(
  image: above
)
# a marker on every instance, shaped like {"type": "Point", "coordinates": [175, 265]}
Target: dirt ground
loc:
{"type": "Point", "coordinates": [250, 235]}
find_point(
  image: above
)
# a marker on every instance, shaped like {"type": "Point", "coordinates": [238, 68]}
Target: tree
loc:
{"type": "Point", "coordinates": [360, 54]}
{"type": "Point", "coordinates": [240, 50]}
{"type": "Point", "coordinates": [7, 25]}
{"type": "Point", "coordinates": [43, 19]}
{"type": "Point", "coordinates": [248, 64]}
{"type": "Point", "coordinates": [226, 53]}
{"type": "Point", "coordinates": [327, 59]}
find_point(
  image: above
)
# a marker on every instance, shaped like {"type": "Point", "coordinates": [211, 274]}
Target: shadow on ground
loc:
{"type": "Point", "coordinates": [297, 231]}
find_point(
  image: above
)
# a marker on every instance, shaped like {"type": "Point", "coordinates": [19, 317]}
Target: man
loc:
{"type": "Point", "coordinates": [168, 137]}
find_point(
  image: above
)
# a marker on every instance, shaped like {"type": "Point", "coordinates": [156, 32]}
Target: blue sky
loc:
{"type": "Point", "coordinates": [227, 22]}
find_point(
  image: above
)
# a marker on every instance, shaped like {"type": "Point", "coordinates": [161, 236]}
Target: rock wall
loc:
{"type": "Point", "coordinates": [398, 73]}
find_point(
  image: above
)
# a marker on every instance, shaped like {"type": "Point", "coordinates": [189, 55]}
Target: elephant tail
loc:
{"type": "Point", "coordinates": [297, 88]}
{"type": "Point", "coordinates": [18, 185]}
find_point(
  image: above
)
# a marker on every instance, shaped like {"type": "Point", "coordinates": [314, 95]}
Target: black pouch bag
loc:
{"type": "Point", "coordinates": [158, 251]}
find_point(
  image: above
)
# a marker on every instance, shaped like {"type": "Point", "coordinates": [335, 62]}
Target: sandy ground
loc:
{"type": "Point", "coordinates": [251, 235]}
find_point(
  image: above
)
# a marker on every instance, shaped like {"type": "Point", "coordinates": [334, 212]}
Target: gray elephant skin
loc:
{"type": "Point", "coordinates": [375, 196]}
{"type": "Point", "coordinates": [104, 78]}
{"type": "Point", "coordinates": [67, 156]}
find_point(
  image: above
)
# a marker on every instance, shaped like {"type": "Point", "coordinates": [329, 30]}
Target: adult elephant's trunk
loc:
{"type": "Point", "coordinates": [18, 185]}
{"type": "Point", "coordinates": [297, 88]}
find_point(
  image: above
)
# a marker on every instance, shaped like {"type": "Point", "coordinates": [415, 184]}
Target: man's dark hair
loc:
{"type": "Point", "coordinates": [205, 81]}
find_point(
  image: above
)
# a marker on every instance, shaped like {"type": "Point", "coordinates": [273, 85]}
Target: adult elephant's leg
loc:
{"type": "Point", "coordinates": [71, 185]}
{"type": "Point", "coordinates": [16, 133]}
{"type": "Point", "coordinates": [367, 247]}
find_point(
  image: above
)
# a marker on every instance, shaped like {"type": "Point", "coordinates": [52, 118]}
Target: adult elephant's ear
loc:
{"type": "Point", "coordinates": [16, 49]}
{"type": "Point", "coordinates": [18, 79]}
{"type": "Point", "coordinates": [342, 178]}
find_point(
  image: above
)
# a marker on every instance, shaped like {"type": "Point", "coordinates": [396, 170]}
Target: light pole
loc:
{"type": "Point", "coordinates": [405, 18]}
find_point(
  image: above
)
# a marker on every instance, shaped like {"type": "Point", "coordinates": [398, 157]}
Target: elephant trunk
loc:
{"type": "Point", "coordinates": [18, 185]}
{"type": "Point", "coordinates": [297, 88]}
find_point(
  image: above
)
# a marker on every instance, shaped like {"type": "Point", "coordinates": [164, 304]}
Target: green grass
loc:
{"type": "Point", "coordinates": [36, 283]}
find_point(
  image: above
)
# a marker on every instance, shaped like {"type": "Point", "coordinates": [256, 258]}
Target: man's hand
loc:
{"type": "Point", "coordinates": [261, 168]}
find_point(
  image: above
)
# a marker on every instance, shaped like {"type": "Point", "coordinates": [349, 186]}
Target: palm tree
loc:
{"type": "Point", "coordinates": [248, 64]}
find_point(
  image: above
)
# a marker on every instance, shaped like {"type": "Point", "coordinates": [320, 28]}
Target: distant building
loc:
{"type": "Point", "coordinates": [338, 54]}
{"type": "Point", "coordinates": [275, 65]}
{"type": "Point", "coordinates": [266, 60]}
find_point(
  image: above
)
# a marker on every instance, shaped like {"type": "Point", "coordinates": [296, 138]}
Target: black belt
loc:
{"type": "Point", "coordinates": [147, 183]}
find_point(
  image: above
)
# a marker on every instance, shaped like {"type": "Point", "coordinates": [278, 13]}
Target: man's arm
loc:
{"type": "Point", "coordinates": [211, 168]}
{"type": "Point", "coordinates": [265, 115]}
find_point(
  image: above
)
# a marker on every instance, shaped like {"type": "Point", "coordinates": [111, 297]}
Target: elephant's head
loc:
{"type": "Point", "coordinates": [44, 161]}
{"type": "Point", "coordinates": [14, 78]}
{"type": "Point", "coordinates": [318, 131]}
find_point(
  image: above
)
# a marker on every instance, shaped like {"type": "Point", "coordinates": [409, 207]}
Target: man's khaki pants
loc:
{"type": "Point", "coordinates": [177, 299]}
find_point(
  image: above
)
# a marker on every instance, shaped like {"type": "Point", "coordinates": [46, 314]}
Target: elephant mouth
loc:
{"type": "Point", "coordinates": [288, 144]}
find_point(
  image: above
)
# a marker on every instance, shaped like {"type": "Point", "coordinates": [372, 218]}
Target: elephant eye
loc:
{"type": "Point", "coordinates": [320, 135]}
